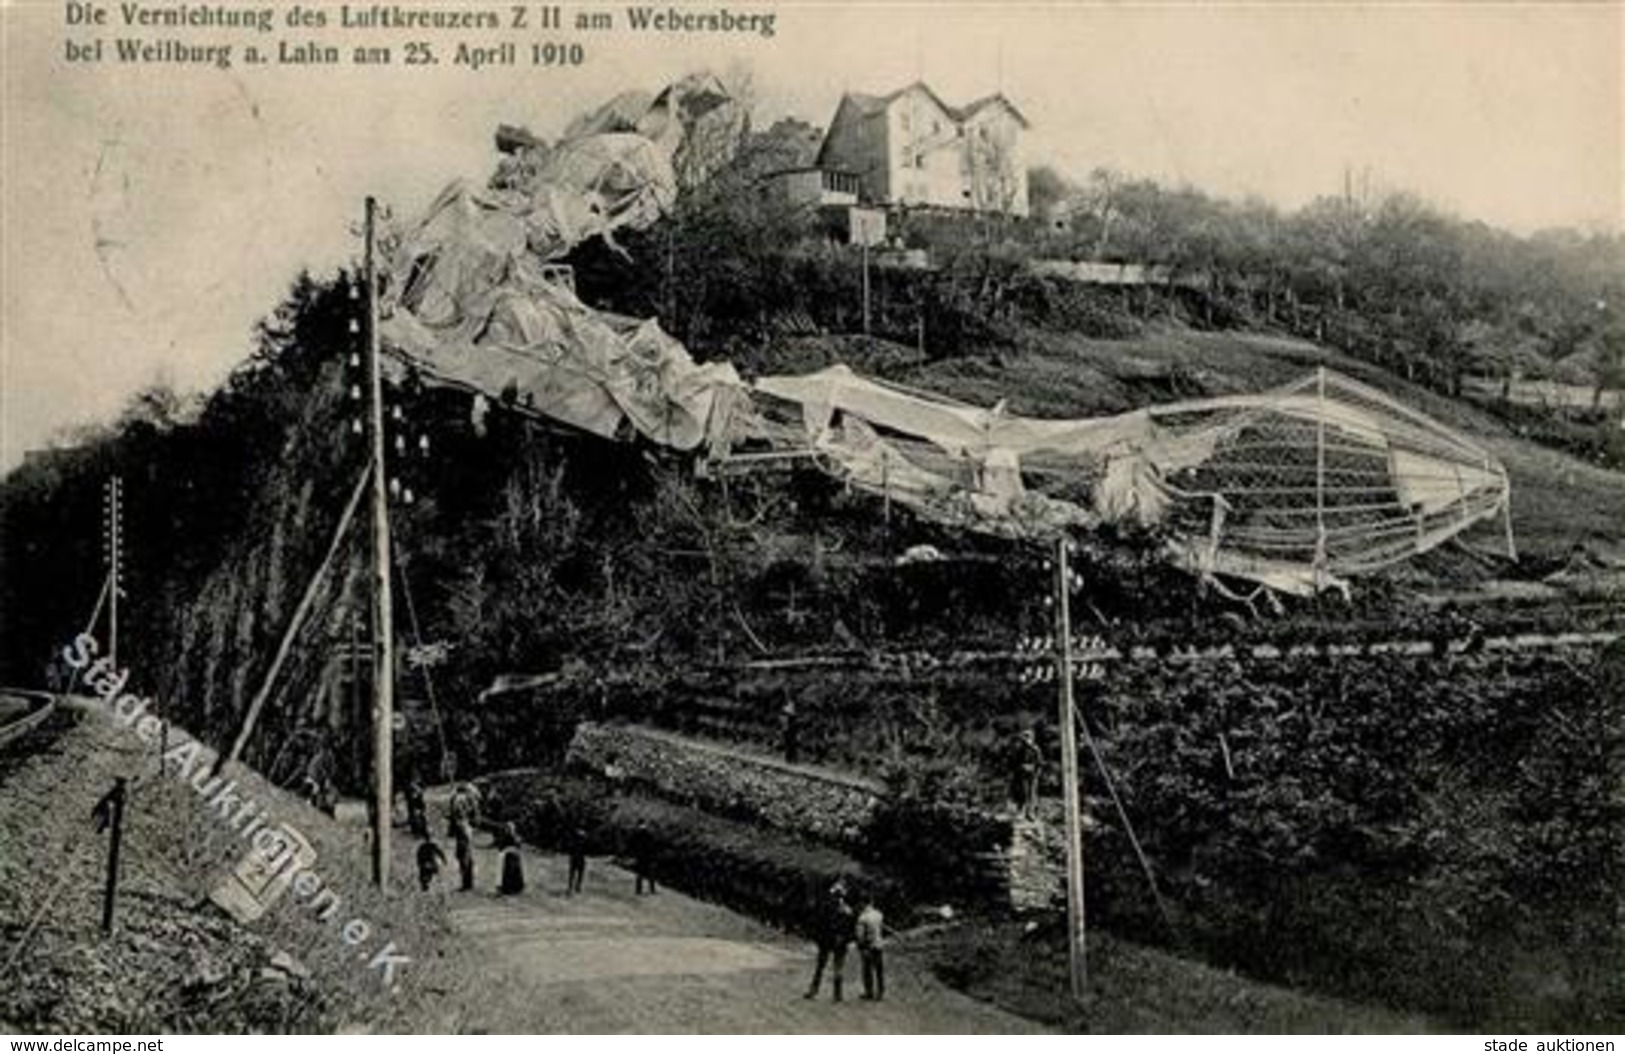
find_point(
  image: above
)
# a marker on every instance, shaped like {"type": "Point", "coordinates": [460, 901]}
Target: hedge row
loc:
{"type": "Point", "coordinates": [732, 783]}
{"type": "Point", "coordinates": [764, 873]}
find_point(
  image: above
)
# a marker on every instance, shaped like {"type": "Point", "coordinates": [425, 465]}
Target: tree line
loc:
{"type": "Point", "coordinates": [1385, 276]}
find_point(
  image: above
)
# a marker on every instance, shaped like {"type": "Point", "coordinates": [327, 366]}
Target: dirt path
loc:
{"type": "Point", "coordinates": [610, 961]}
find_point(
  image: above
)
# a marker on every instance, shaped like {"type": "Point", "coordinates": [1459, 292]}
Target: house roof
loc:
{"type": "Point", "coordinates": [869, 105]}
{"type": "Point", "coordinates": [996, 99]}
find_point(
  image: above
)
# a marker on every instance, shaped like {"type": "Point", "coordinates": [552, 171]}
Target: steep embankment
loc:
{"type": "Point", "coordinates": [220, 643]}
{"type": "Point", "coordinates": [174, 962]}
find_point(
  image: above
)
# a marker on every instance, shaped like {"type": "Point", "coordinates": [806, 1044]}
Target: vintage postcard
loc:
{"type": "Point", "coordinates": [812, 517]}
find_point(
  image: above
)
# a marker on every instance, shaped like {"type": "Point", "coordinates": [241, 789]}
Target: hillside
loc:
{"type": "Point", "coordinates": [1297, 800]}
{"type": "Point", "coordinates": [174, 962]}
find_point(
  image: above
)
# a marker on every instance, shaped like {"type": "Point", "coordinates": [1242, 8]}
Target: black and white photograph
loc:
{"type": "Point", "coordinates": [812, 518]}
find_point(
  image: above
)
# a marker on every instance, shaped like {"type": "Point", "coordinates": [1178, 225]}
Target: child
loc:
{"type": "Point", "coordinates": [871, 950]}
{"type": "Point", "coordinates": [430, 860]}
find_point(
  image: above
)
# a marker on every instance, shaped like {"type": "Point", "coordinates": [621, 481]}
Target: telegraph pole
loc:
{"type": "Point", "coordinates": [1076, 962]}
{"type": "Point", "coordinates": [383, 679]}
{"type": "Point", "coordinates": [115, 560]}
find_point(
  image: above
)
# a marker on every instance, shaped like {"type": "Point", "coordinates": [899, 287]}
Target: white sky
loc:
{"type": "Point", "coordinates": [206, 190]}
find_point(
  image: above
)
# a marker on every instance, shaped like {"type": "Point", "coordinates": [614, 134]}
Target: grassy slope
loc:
{"type": "Point", "coordinates": [174, 962]}
{"type": "Point", "coordinates": [1557, 500]}
{"type": "Point", "coordinates": [1134, 989]}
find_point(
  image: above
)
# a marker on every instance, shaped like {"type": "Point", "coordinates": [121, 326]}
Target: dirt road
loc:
{"type": "Point", "coordinates": [610, 961]}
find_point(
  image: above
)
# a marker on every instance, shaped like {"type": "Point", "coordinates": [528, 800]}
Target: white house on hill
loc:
{"type": "Point", "coordinates": [910, 148]}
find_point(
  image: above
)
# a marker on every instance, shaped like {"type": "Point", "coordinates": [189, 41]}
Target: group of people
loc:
{"type": "Point", "coordinates": [462, 814]}
{"type": "Point", "coordinates": [837, 928]}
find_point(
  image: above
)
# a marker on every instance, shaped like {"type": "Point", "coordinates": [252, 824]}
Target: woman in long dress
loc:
{"type": "Point", "coordinates": [513, 870]}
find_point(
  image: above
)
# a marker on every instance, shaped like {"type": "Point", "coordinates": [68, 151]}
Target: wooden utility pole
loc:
{"type": "Point", "coordinates": [1076, 962]}
{"type": "Point", "coordinates": [383, 680]}
{"type": "Point", "coordinates": [115, 560]}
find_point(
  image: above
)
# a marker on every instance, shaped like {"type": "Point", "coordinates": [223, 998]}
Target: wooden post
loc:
{"type": "Point", "coordinates": [285, 646]}
{"type": "Point", "coordinates": [110, 812]}
{"type": "Point", "coordinates": [90, 628]}
{"type": "Point", "coordinates": [866, 284]}
{"type": "Point", "coordinates": [1077, 962]}
{"type": "Point", "coordinates": [383, 680]}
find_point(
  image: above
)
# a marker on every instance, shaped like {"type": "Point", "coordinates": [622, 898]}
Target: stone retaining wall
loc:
{"type": "Point", "coordinates": [831, 807]}
{"type": "Point", "coordinates": [996, 861]}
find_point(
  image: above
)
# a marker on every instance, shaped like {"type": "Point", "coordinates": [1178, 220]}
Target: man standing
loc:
{"type": "Point", "coordinates": [834, 933]}
{"type": "Point", "coordinates": [460, 825]}
{"type": "Point", "coordinates": [1025, 759]}
{"type": "Point", "coordinates": [790, 731]}
{"type": "Point", "coordinates": [417, 810]}
{"type": "Point", "coordinates": [642, 846]}
{"type": "Point", "coordinates": [577, 848]}
{"type": "Point", "coordinates": [871, 949]}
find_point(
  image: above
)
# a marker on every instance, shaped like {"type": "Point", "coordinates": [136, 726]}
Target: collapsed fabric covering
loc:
{"type": "Point", "coordinates": [472, 304]}
{"type": "Point", "coordinates": [477, 311]}
{"type": "Point", "coordinates": [1294, 488]}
